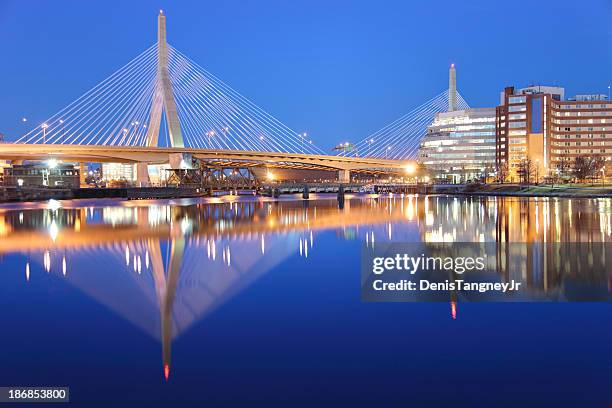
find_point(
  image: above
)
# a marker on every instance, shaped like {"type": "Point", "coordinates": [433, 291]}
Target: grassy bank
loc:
{"type": "Point", "coordinates": [520, 190]}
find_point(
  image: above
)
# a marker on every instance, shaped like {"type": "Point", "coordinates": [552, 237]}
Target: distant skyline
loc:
{"type": "Point", "coordinates": [338, 70]}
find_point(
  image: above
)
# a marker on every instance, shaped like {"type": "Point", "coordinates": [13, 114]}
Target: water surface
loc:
{"type": "Point", "coordinates": [250, 300]}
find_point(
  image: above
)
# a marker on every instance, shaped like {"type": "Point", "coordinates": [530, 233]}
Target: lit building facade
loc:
{"type": "Point", "coordinates": [42, 175]}
{"type": "Point", "coordinates": [582, 126]}
{"type": "Point", "coordinates": [523, 128]}
{"type": "Point", "coordinates": [118, 172]}
{"type": "Point", "coordinates": [538, 124]}
{"type": "Point", "coordinates": [460, 145]}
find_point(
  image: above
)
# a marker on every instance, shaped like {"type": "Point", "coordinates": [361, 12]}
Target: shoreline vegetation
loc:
{"type": "Point", "coordinates": [527, 190]}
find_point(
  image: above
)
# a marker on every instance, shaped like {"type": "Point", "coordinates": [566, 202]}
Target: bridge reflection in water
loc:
{"type": "Point", "coordinates": [171, 263]}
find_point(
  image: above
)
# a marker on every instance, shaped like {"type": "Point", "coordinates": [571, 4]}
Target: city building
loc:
{"type": "Point", "coordinates": [459, 144]}
{"type": "Point", "coordinates": [538, 125]}
{"type": "Point", "coordinates": [3, 163]}
{"type": "Point", "coordinates": [523, 126]}
{"type": "Point", "coordinates": [118, 172]}
{"type": "Point", "coordinates": [582, 127]}
{"type": "Point", "coordinates": [42, 175]}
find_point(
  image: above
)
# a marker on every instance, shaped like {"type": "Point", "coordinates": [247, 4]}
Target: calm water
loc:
{"type": "Point", "coordinates": [252, 301]}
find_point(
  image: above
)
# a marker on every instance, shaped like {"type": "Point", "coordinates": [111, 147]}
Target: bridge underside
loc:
{"type": "Point", "coordinates": [229, 158]}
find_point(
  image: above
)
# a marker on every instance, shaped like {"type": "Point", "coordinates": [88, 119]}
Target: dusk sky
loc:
{"type": "Point", "coordinates": [339, 70]}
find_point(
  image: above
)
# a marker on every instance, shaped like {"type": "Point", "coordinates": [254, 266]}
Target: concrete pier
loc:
{"type": "Point", "coordinates": [142, 175]}
{"type": "Point", "coordinates": [344, 176]}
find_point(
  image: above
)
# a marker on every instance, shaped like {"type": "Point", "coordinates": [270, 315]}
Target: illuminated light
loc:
{"type": "Point", "coordinates": [270, 176]}
{"type": "Point", "coordinates": [410, 168]}
{"type": "Point", "coordinates": [185, 225]}
{"type": "Point", "coordinates": [54, 205]}
{"type": "Point", "coordinates": [77, 225]}
{"type": "Point", "coordinates": [127, 256]}
{"type": "Point", "coordinates": [263, 245]}
{"type": "Point", "coordinates": [64, 265]}
{"type": "Point", "coordinates": [20, 182]}
{"type": "Point", "coordinates": [147, 259]}
{"type": "Point", "coordinates": [24, 120]}
{"type": "Point", "coordinates": [139, 264]}
{"type": "Point", "coordinates": [454, 310]}
{"type": "Point", "coordinates": [166, 371]}
{"type": "Point", "coordinates": [27, 271]}
{"type": "Point", "coordinates": [426, 179]}
{"type": "Point", "coordinates": [47, 261]}
{"type": "Point", "coordinates": [44, 126]}
{"type": "Point", "coordinates": [135, 264]}
{"type": "Point", "coordinates": [53, 231]}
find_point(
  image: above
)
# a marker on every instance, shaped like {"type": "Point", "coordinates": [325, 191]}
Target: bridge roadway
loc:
{"type": "Point", "coordinates": [160, 155]}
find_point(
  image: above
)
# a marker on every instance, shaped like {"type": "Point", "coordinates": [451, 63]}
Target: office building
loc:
{"type": "Point", "coordinates": [459, 144]}
{"type": "Point", "coordinates": [582, 126]}
{"type": "Point", "coordinates": [538, 124]}
{"type": "Point", "coordinates": [118, 172]}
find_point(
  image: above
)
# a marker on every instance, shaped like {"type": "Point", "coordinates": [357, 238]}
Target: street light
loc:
{"type": "Point", "coordinates": [410, 169]}
{"type": "Point", "coordinates": [61, 121]}
{"type": "Point", "coordinates": [44, 127]}
{"type": "Point", "coordinates": [24, 120]}
{"type": "Point", "coordinates": [302, 136]}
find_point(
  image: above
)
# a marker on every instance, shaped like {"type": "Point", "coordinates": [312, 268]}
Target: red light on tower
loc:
{"type": "Point", "coordinates": [166, 371]}
{"type": "Point", "coordinates": [454, 310]}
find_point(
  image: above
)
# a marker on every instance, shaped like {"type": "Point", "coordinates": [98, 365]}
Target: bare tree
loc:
{"type": "Point", "coordinates": [502, 172]}
{"type": "Point", "coordinates": [587, 167]}
{"type": "Point", "coordinates": [526, 171]}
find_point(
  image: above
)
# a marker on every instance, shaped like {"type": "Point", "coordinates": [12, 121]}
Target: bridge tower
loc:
{"type": "Point", "coordinates": [452, 89]}
{"type": "Point", "coordinates": [163, 99]}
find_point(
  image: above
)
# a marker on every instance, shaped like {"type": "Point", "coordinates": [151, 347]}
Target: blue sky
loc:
{"type": "Point", "coordinates": [337, 69]}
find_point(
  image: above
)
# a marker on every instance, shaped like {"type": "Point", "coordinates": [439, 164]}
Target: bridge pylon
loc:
{"type": "Point", "coordinates": [163, 99]}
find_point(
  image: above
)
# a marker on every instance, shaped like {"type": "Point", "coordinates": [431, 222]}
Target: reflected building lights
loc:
{"type": "Point", "coordinates": [47, 261]}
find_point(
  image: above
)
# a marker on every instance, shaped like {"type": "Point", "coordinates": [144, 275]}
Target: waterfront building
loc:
{"type": "Point", "coordinates": [459, 144]}
{"type": "Point", "coordinates": [42, 175]}
{"type": "Point", "coordinates": [523, 126]}
{"type": "Point", "coordinates": [582, 126]}
{"type": "Point", "coordinates": [539, 125]}
{"type": "Point", "coordinates": [118, 172]}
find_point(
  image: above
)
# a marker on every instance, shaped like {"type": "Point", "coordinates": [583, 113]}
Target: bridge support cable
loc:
{"type": "Point", "coordinates": [400, 139]}
{"type": "Point", "coordinates": [219, 116]}
{"type": "Point", "coordinates": [106, 114]}
{"type": "Point", "coordinates": [123, 110]}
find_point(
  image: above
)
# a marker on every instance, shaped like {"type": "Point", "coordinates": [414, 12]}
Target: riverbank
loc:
{"type": "Point", "coordinates": [518, 190]}
{"type": "Point", "coordinates": [128, 193]}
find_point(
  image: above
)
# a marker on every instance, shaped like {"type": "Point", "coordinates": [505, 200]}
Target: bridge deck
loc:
{"type": "Point", "coordinates": [159, 155]}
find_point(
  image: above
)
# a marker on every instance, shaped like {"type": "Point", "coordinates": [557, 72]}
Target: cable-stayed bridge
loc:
{"type": "Point", "coordinates": [400, 139]}
{"type": "Point", "coordinates": [162, 107]}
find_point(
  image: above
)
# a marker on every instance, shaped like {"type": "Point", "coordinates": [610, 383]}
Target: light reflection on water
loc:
{"type": "Point", "coordinates": [164, 265]}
